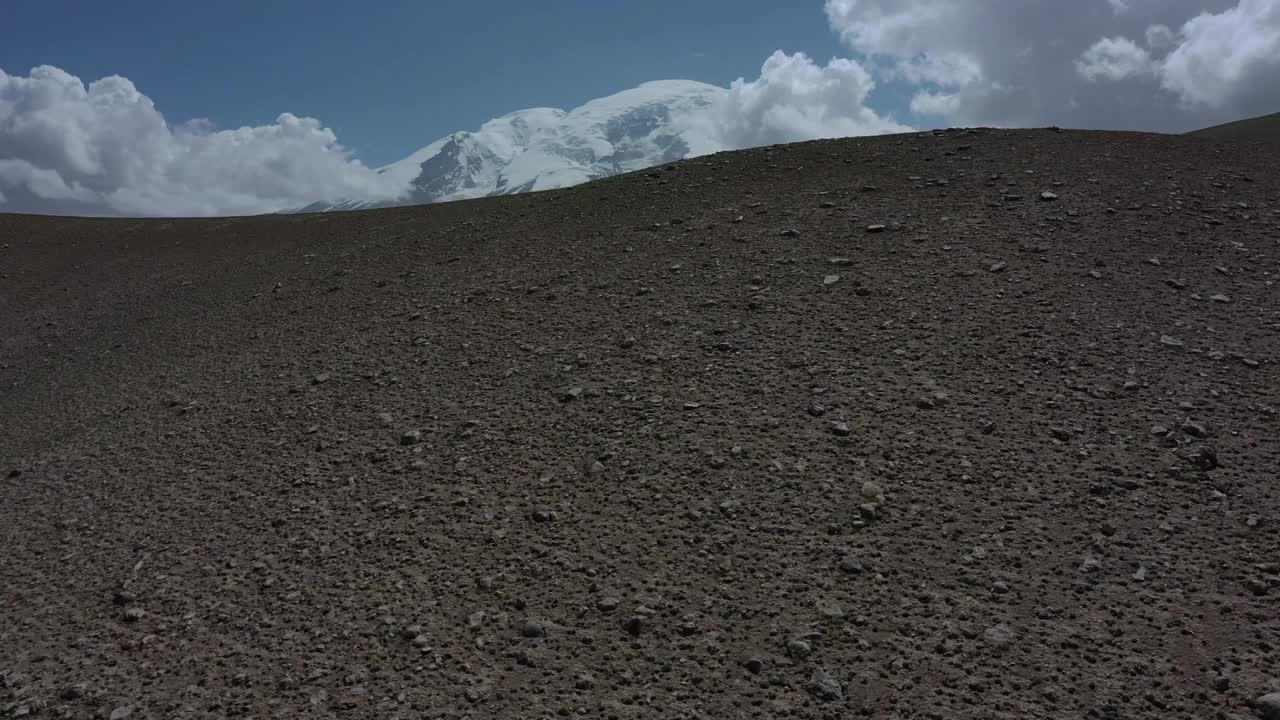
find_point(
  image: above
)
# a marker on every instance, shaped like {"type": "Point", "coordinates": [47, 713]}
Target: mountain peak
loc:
{"type": "Point", "coordinates": [543, 148]}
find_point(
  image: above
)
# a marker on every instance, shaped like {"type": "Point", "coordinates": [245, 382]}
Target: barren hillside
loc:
{"type": "Point", "coordinates": [968, 424]}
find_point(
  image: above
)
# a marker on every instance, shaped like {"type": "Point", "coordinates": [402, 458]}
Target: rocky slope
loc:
{"type": "Point", "coordinates": [854, 427]}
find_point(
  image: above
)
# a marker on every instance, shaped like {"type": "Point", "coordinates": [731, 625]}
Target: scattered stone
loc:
{"type": "Point", "coordinates": [1048, 196]}
{"type": "Point", "coordinates": [570, 394]}
{"type": "Point", "coordinates": [636, 625]}
{"type": "Point", "coordinates": [850, 565]}
{"type": "Point", "coordinates": [475, 619]}
{"type": "Point", "coordinates": [1194, 429]}
{"type": "Point", "coordinates": [544, 516]}
{"type": "Point", "coordinates": [999, 637]}
{"type": "Point", "coordinates": [998, 267]}
{"type": "Point", "coordinates": [134, 614]}
{"type": "Point", "coordinates": [1140, 574]}
{"type": "Point", "coordinates": [841, 429]}
{"type": "Point", "coordinates": [121, 713]}
{"type": "Point", "coordinates": [1060, 433]}
{"type": "Point", "coordinates": [872, 491]}
{"type": "Point", "coordinates": [790, 232]}
{"type": "Point", "coordinates": [608, 604]}
{"type": "Point", "coordinates": [385, 419]}
{"type": "Point", "coordinates": [1220, 298]}
{"type": "Point", "coordinates": [875, 228]}
{"type": "Point", "coordinates": [74, 692]}
{"type": "Point", "coordinates": [411, 437]}
{"type": "Point", "coordinates": [799, 649]}
{"type": "Point", "coordinates": [1201, 457]}
{"type": "Point", "coordinates": [1090, 565]}
{"type": "Point", "coordinates": [410, 632]}
{"type": "Point", "coordinates": [533, 629]}
{"type": "Point", "coordinates": [830, 279]}
{"type": "Point", "coordinates": [320, 379]}
{"type": "Point", "coordinates": [1170, 341]}
{"type": "Point", "coordinates": [824, 687]}
{"type": "Point", "coordinates": [826, 204]}
{"type": "Point", "coordinates": [999, 587]}
{"type": "Point", "coordinates": [754, 664]}
{"type": "Point", "coordinates": [1268, 706]}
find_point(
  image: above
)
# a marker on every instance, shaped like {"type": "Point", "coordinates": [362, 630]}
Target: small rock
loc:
{"type": "Point", "coordinates": [385, 419]}
{"type": "Point", "coordinates": [1140, 574]}
{"type": "Point", "coordinates": [74, 692]}
{"type": "Point", "coordinates": [1220, 298]}
{"type": "Point", "coordinates": [1201, 457]}
{"type": "Point", "coordinates": [1060, 433]}
{"type": "Point", "coordinates": [1090, 565]}
{"type": "Point", "coordinates": [320, 379]}
{"type": "Point", "coordinates": [850, 565]}
{"type": "Point", "coordinates": [841, 429]}
{"type": "Point", "coordinates": [544, 516]}
{"type": "Point", "coordinates": [999, 587]}
{"type": "Point", "coordinates": [570, 394]}
{"type": "Point", "coordinates": [122, 712]}
{"type": "Point", "coordinates": [830, 279]}
{"type": "Point", "coordinates": [999, 636]}
{"type": "Point", "coordinates": [998, 267]}
{"type": "Point", "coordinates": [608, 604]}
{"type": "Point", "coordinates": [872, 491]}
{"type": "Point", "coordinates": [1268, 706]}
{"type": "Point", "coordinates": [1195, 429]}
{"type": "Point", "coordinates": [636, 625]}
{"type": "Point", "coordinates": [875, 228]}
{"type": "Point", "coordinates": [754, 664]}
{"type": "Point", "coordinates": [824, 687]}
{"type": "Point", "coordinates": [410, 632]}
{"type": "Point", "coordinates": [411, 437]}
{"type": "Point", "coordinates": [799, 649]}
{"type": "Point", "coordinates": [1170, 341]}
{"type": "Point", "coordinates": [475, 619]}
{"type": "Point", "coordinates": [1048, 196]}
{"type": "Point", "coordinates": [533, 629]}
{"type": "Point", "coordinates": [134, 614]}
{"type": "Point", "coordinates": [790, 232]}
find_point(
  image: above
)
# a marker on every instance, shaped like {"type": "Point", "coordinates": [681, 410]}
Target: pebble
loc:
{"type": "Point", "coordinates": [608, 604]}
{"type": "Point", "coordinates": [1220, 298]}
{"type": "Point", "coordinates": [790, 232]}
{"type": "Point", "coordinates": [1090, 565]}
{"type": "Point", "coordinates": [754, 664]}
{"type": "Point", "coordinates": [1170, 341]}
{"type": "Point", "coordinates": [533, 629]}
{"type": "Point", "coordinates": [999, 587]}
{"type": "Point", "coordinates": [1046, 195]}
{"type": "Point", "coordinates": [850, 565]}
{"type": "Point", "coordinates": [320, 379]}
{"type": "Point", "coordinates": [824, 687]}
{"type": "Point", "coordinates": [134, 614]}
{"type": "Point", "coordinates": [799, 649]}
{"type": "Point", "coordinates": [999, 267]}
{"type": "Point", "coordinates": [411, 437]}
{"type": "Point", "coordinates": [385, 419]}
{"type": "Point", "coordinates": [122, 712]}
{"type": "Point", "coordinates": [875, 228]}
{"type": "Point", "coordinates": [830, 279]}
{"type": "Point", "coordinates": [636, 625]}
{"type": "Point", "coordinates": [572, 393]}
{"type": "Point", "coordinates": [841, 429]}
{"type": "Point", "coordinates": [1268, 706]}
{"type": "Point", "coordinates": [999, 636]}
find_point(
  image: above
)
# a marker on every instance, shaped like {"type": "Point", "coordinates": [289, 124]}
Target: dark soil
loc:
{"type": "Point", "coordinates": [688, 443]}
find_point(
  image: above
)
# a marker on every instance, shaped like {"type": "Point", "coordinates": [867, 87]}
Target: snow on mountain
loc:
{"type": "Point", "coordinates": [546, 148]}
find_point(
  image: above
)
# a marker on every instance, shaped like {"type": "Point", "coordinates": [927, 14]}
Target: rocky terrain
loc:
{"type": "Point", "coordinates": [965, 424]}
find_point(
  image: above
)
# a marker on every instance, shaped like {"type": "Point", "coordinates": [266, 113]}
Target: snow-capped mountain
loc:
{"type": "Point", "coordinates": [545, 148]}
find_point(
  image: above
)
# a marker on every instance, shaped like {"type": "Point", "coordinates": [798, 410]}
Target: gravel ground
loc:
{"type": "Point", "coordinates": [967, 424]}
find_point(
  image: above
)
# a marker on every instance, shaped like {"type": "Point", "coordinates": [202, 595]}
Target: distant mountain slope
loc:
{"type": "Point", "coordinates": [545, 148]}
{"type": "Point", "coordinates": [1266, 127]}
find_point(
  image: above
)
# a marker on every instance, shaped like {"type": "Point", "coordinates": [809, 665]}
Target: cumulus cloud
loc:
{"type": "Point", "coordinates": [105, 149]}
{"type": "Point", "coordinates": [797, 99]}
{"type": "Point", "coordinates": [1092, 63]}
{"type": "Point", "coordinates": [1113, 59]}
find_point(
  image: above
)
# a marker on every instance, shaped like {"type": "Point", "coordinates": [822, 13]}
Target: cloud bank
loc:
{"type": "Point", "coordinates": [105, 149]}
{"type": "Point", "coordinates": [1144, 64]}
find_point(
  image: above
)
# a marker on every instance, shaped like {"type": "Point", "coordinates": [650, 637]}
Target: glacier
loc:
{"type": "Point", "coordinates": [545, 148]}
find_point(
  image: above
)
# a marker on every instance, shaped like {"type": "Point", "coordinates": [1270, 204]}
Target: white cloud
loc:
{"type": "Point", "coordinates": [796, 99]}
{"type": "Point", "coordinates": [1228, 57]}
{"type": "Point", "coordinates": [108, 149]}
{"type": "Point", "coordinates": [1038, 62]}
{"type": "Point", "coordinates": [1113, 59]}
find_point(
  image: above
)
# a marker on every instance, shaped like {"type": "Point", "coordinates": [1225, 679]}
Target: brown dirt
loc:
{"type": "Point", "coordinates": [211, 519]}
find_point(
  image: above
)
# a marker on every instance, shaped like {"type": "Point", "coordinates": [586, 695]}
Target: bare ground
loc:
{"type": "Point", "coordinates": [689, 443]}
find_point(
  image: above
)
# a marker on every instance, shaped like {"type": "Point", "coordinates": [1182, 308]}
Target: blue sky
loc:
{"type": "Point", "coordinates": [392, 75]}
